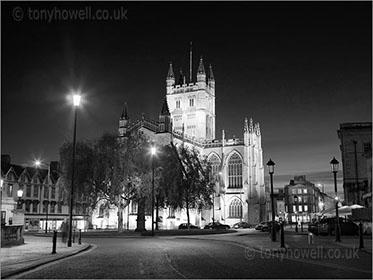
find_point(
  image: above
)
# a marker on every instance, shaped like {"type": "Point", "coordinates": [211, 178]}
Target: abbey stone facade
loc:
{"type": "Point", "coordinates": [188, 117]}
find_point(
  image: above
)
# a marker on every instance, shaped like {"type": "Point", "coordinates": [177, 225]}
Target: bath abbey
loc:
{"type": "Point", "coordinates": [188, 117]}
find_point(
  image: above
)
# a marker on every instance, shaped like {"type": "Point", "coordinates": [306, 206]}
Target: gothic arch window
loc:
{"type": "Point", "coordinates": [235, 171]}
{"type": "Point", "coordinates": [215, 166]}
{"type": "Point", "coordinates": [235, 209]}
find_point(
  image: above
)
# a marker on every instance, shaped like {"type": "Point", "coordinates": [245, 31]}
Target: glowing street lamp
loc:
{"type": "Point", "coordinates": [19, 195]}
{"type": "Point", "coordinates": [76, 99]}
{"type": "Point", "coordinates": [271, 170]}
{"type": "Point", "coordinates": [334, 166]}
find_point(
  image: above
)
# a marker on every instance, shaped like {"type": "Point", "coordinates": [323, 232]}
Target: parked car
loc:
{"type": "Point", "coordinates": [327, 226]}
{"type": "Point", "coordinates": [242, 225]}
{"type": "Point", "coordinates": [216, 225]}
{"type": "Point", "coordinates": [265, 226]}
{"type": "Point", "coordinates": [259, 226]}
{"type": "Point", "coordinates": [185, 226]}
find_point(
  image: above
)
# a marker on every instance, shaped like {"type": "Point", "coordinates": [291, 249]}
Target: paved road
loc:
{"type": "Point", "coordinates": [134, 257]}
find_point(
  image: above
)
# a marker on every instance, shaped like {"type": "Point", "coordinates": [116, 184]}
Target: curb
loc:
{"type": "Point", "coordinates": [33, 266]}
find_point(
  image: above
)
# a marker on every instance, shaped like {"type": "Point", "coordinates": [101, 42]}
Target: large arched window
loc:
{"type": "Point", "coordinates": [235, 209]}
{"type": "Point", "coordinates": [215, 167]}
{"type": "Point", "coordinates": [235, 171]}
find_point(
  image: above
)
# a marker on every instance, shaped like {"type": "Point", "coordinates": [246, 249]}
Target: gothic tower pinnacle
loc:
{"type": "Point", "coordinates": [124, 121]}
{"type": "Point", "coordinates": [201, 74]}
{"type": "Point", "coordinates": [170, 80]}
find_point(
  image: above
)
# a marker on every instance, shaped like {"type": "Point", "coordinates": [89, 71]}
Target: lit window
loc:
{"type": "Point", "coordinates": [134, 207]}
{"type": "Point", "coordinates": [235, 172]}
{"type": "Point", "coordinates": [294, 208]}
{"type": "Point", "coordinates": [10, 190]}
{"type": "Point", "coordinates": [305, 191]}
{"type": "Point", "coordinates": [300, 208]}
{"type": "Point", "coordinates": [299, 190]}
{"type": "Point", "coordinates": [171, 212]}
{"type": "Point", "coordinates": [235, 209]}
{"type": "Point", "coordinates": [305, 208]}
{"type": "Point", "coordinates": [215, 166]}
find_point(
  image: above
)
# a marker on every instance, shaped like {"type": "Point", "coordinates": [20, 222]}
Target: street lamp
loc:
{"type": "Point", "coordinates": [153, 151]}
{"type": "Point", "coordinates": [271, 170]}
{"type": "Point", "coordinates": [76, 99]}
{"type": "Point", "coordinates": [19, 194]}
{"type": "Point", "coordinates": [296, 214]}
{"type": "Point", "coordinates": [334, 166]}
{"type": "Point", "coordinates": [37, 164]}
{"type": "Point", "coordinates": [1, 202]}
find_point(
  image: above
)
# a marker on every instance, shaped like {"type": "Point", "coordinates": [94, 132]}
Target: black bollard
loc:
{"type": "Point", "coordinates": [301, 226]}
{"type": "Point", "coordinates": [74, 236]}
{"type": "Point", "coordinates": [282, 236]}
{"type": "Point", "coordinates": [361, 246]}
{"type": "Point", "coordinates": [54, 240]}
{"type": "Point", "coordinates": [80, 237]}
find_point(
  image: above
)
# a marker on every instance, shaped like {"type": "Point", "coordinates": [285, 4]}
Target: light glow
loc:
{"type": "Point", "coordinates": [77, 98]}
{"type": "Point", "coordinates": [153, 151]}
{"type": "Point", "coordinates": [20, 193]}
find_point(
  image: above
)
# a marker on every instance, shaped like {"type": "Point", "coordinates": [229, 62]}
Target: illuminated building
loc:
{"type": "Point", "coordinates": [188, 117]}
{"type": "Point", "coordinates": [356, 149]}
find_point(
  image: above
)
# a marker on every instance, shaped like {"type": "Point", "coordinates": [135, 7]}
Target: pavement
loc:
{"type": "Point", "coordinates": [292, 240]}
{"type": "Point", "coordinates": [37, 249]}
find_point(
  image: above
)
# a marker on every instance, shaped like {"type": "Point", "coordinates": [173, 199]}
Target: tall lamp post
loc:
{"type": "Point", "coordinates": [271, 168]}
{"type": "Point", "coordinates": [76, 99]}
{"type": "Point", "coordinates": [153, 151]}
{"type": "Point", "coordinates": [296, 213]}
{"type": "Point", "coordinates": [37, 164]}
{"type": "Point", "coordinates": [334, 165]}
{"type": "Point", "coordinates": [1, 201]}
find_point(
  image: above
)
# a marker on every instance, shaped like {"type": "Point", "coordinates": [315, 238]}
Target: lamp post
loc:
{"type": "Point", "coordinates": [1, 201]}
{"type": "Point", "coordinates": [76, 99]}
{"type": "Point", "coordinates": [296, 213]}
{"type": "Point", "coordinates": [334, 166]}
{"type": "Point", "coordinates": [271, 168]}
{"type": "Point", "coordinates": [38, 163]}
{"type": "Point", "coordinates": [153, 151]}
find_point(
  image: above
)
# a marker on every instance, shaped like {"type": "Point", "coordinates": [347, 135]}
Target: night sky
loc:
{"type": "Point", "coordinates": [298, 68]}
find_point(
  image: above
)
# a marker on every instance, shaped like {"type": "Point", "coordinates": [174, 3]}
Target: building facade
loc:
{"type": "Point", "coordinates": [356, 150]}
{"type": "Point", "coordinates": [188, 118]}
{"type": "Point", "coordinates": [41, 202]}
{"type": "Point", "coordinates": [302, 200]}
